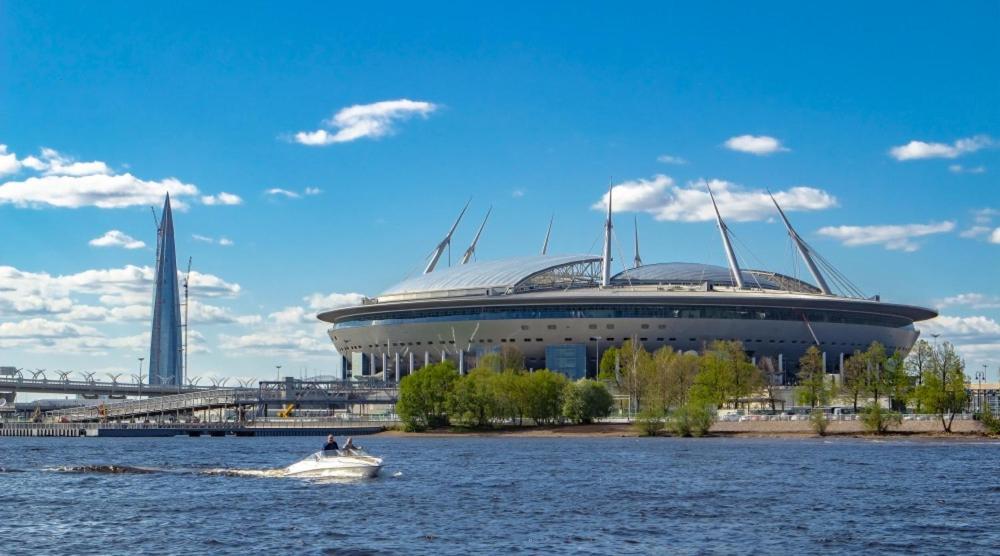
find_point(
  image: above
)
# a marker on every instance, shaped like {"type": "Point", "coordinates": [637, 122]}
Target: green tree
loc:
{"type": "Point", "coordinates": [586, 400]}
{"type": "Point", "coordinates": [423, 396]}
{"type": "Point", "coordinates": [917, 362]}
{"type": "Point", "coordinates": [726, 375]}
{"type": "Point", "coordinates": [854, 374]}
{"type": "Point", "coordinates": [509, 389]}
{"type": "Point", "coordinates": [814, 387]}
{"type": "Point", "coordinates": [509, 358]}
{"type": "Point", "coordinates": [692, 419]}
{"type": "Point", "coordinates": [473, 400]}
{"type": "Point", "coordinates": [819, 421]}
{"type": "Point", "coordinates": [876, 380]}
{"type": "Point", "coordinates": [630, 368]}
{"type": "Point", "coordinates": [942, 389]}
{"type": "Point", "coordinates": [544, 391]}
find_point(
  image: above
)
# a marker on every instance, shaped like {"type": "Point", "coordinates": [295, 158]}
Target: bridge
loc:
{"type": "Point", "coordinates": [299, 394]}
{"type": "Point", "coordinates": [90, 388]}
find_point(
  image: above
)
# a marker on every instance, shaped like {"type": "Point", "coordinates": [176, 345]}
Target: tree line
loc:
{"type": "Point", "coordinates": [684, 390]}
{"type": "Point", "coordinates": [497, 391]}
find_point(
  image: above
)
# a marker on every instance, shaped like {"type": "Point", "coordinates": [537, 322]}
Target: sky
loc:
{"type": "Point", "coordinates": [316, 153]}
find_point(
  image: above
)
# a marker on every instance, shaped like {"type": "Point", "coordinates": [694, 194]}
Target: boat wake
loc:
{"type": "Point", "coordinates": [260, 473]}
{"type": "Point", "coordinates": [108, 469]}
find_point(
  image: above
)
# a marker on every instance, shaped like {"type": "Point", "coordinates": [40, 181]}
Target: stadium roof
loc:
{"type": "Point", "coordinates": [697, 273]}
{"type": "Point", "coordinates": [503, 273]}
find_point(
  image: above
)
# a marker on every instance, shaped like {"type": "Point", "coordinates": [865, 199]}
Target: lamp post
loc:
{"type": "Point", "coordinates": [141, 359]}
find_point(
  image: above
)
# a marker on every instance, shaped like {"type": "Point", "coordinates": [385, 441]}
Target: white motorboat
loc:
{"type": "Point", "coordinates": [351, 463]}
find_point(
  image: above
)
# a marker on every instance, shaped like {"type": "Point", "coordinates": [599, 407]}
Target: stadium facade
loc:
{"type": "Point", "coordinates": [562, 311]}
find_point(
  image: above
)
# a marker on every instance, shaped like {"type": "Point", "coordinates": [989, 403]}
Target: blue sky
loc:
{"type": "Point", "coordinates": [532, 109]}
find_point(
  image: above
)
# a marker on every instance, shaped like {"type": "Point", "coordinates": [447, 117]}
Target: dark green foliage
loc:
{"type": "Point", "coordinates": [586, 400]}
{"type": "Point", "coordinates": [423, 396]}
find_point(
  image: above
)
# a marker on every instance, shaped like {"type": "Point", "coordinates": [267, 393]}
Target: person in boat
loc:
{"type": "Point", "coordinates": [349, 445]}
{"type": "Point", "coordinates": [331, 444]}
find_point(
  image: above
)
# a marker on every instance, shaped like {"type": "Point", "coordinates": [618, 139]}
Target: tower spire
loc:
{"type": "Point", "coordinates": [803, 248]}
{"type": "Point", "coordinates": [446, 242]}
{"type": "Point", "coordinates": [637, 262]}
{"type": "Point", "coordinates": [606, 261]}
{"type": "Point", "coordinates": [472, 248]}
{"type": "Point", "coordinates": [165, 340]}
{"type": "Point", "coordinates": [734, 267]}
{"type": "Point", "coordinates": [545, 246]}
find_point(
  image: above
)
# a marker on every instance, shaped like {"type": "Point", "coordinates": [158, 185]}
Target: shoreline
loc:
{"type": "Point", "coordinates": [719, 430]}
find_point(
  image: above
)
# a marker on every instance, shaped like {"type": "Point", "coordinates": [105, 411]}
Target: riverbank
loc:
{"type": "Point", "coordinates": [961, 430]}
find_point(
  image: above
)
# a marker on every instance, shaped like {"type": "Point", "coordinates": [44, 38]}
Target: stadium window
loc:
{"type": "Point", "coordinates": [592, 327]}
{"type": "Point", "coordinates": [525, 327]}
{"type": "Point", "coordinates": [527, 339]}
{"type": "Point", "coordinates": [504, 340]}
{"type": "Point", "coordinates": [610, 326]}
{"type": "Point", "coordinates": [611, 339]}
{"type": "Point", "coordinates": [567, 339]}
{"type": "Point", "coordinates": [673, 339]}
{"type": "Point", "coordinates": [644, 327]}
{"type": "Point", "coordinates": [538, 340]}
{"type": "Point", "coordinates": [662, 326]}
{"type": "Point", "coordinates": [659, 339]}
{"type": "Point", "coordinates": [551, 327]}
{"type": "Point", "coordinates": [643, 339]}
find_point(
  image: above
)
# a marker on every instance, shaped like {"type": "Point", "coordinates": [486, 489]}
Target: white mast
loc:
{"type": "Point", "coordinates": [734, 267]}
{"type": "Point", "coordinates": [472, 248]}
{"type": "Point", "coordinates": [803, 250]}
{"type": "Point", "coordinates": [606, 261]}
{"type": "Point", "coordinates": [637, 262]}
{"type": "Point", "coordinates": [446, 242]}
{"type": "Point", "coordinates": [545, 246]}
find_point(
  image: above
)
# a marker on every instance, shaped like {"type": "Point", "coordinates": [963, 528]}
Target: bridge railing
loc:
{"type": "Point", "coordinates": [161, 404]}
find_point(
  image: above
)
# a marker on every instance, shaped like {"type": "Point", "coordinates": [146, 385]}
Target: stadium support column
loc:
{"type": "Point", "coordinates": [409, 369]}
{"type": "Point", "coordinates": [385, 366]}
{"type": "Point", "coordinates": [444, 355]}
{"type": "Point", "coordinates": [461, 362]}
{"type": "Point", "coordinates": [824, 362]}
{"type": "Point", "coordinates": [396, 366]}
{"type": "Point", "coordinates": [841, 365]}
{"type": "Point", "coordinates": [427, 358]}
{"type": "Point", "coordinates": [781, 366]}
{"type": "Point", "coordinates": [371, 364]}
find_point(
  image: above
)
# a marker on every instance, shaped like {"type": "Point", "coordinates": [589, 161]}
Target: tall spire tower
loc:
{"type": "Point", "coordinates": [165, 343]}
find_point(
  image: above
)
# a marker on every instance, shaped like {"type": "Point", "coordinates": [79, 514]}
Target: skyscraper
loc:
{"type": "Point", "coordinates": [165, 343]}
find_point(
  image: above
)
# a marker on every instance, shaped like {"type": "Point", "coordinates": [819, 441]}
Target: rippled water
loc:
{"type": "Point", "coordinates": [493, 495]}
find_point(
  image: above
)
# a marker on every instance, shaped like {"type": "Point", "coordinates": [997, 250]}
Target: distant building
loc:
{"type": "Point", "coordinates": [165, 357]}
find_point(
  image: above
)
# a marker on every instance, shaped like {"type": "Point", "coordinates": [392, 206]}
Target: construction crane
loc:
{"type": "Point", "coordinates": [187, 282]}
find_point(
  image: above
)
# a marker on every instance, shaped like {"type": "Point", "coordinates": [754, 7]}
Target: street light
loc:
{"type": "Point", "coordinates": [141, 359]}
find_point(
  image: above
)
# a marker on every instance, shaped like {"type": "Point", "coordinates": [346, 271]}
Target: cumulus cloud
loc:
{"type": "Point", "coordinates": [116, 238]}
{"type": "Point", "coordinates": [365, 120]}
{"type": "Point", "coordinates": [222, 199]}
{"type": "Point", "coordinates": [760, 145]}
{"type": "Point", "coordinates": [64, 182]}
{"type": "Point", "coordinates": [995, 236]}
{"type": "Point", "coordinates": [960, 329]}
{"type": "Point", "coordinates": [312, 191]}
{"type": "Point", "coordinates": [975, 231]}
{"type": "Point", "coordinates": [9, 164]}
{"type": "Point", "coordinates": [670, 159]}
{"type": "Point", "coordinates": [893, 237]}
{"type": "Point", "coordinates": [294, 344]}
{"type": "Point", "coordinates": [916, 150]}
{"type": "Point", "coordinates": [667, 201]}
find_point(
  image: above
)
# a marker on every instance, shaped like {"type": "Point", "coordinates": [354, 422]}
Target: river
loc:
{"type": "Point", "coordinates": [461, 495]}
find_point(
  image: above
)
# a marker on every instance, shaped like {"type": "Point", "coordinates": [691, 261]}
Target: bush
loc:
{"type": "Point", "coordinates": [650, 422]}
{"type": "Point", "coordinates": [878, 420]}
{"type": "Point", "coordinates": [819, 421]}
{"type": "Point", "coordinates": [586, 400]}
{"type": "Point", "coordinates": [990, 421]}
{"type": "Point", "coordinates": [692, 419]}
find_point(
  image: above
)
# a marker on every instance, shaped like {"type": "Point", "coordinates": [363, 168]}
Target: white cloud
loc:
{"type": "Point", "coordinates": [960, 329]}
{"type": "Point", "coordinates": [223, 241]}
{"type": "Point", "coordinates": [325, 302]}
{"type": "Point", "coordinates": [312, 191]}
{"type": "Point", "coordinates": [670, 159]}
{"type": "Point", "coordinates": [279, 192]}
{"type": "Point", "coordinates": [985, 215]}
{"type": "Point", "coordinates": [665, 200]}
{"type": "Point", "coordinates": [365, 120]}
{"type": "Point", "coordinates": [98, 190]}
{"type": "Point", "coordinates": [975, 231]}
{"type": "Point", "coordinates": [760, 145]}
{"type": "Point", "coordinates": [222, 199]}
{"type": "Point", "coordinates": [115, 238]}
{"type": "Point", "coordinates": [916, 150]}
{"type": "Point", "coordinates": [995, 236]}
{"type": "Point", "coordinates": [34, 163]}
{"type": "Point", "coordinates": [972, 299]}
{"type": "Point", "coordinates": [9, 163]}
{"type": "Point", "coordinates": [893, 237]}
{"type": "Point", "coordinates": [959, 169]}
{"type": "Point", "coordinates": [293, 344]}
{"type": "Point", "coordinates": [517, 193]}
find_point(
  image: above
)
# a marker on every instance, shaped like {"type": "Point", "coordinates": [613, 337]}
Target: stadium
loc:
{"type": "Point", "coordinates": [562, 311]}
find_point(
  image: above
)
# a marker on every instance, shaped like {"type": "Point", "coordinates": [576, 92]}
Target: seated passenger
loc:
{"type": "Point", "coordinates": [331, 444]}
{"type": "Point", "coordinates": [349, 445]}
